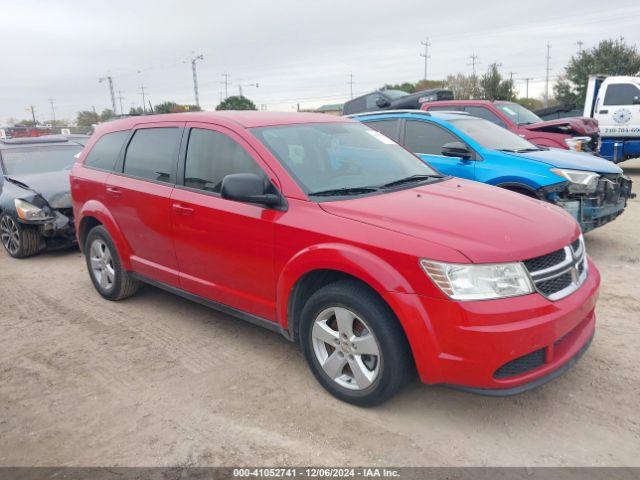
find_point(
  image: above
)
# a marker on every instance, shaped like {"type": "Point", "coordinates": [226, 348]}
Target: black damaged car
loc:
{"type": "Point", "coordinates": [35, 203]}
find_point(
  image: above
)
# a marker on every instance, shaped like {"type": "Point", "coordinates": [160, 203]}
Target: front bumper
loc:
{"type": "Point", "coordinates": [58, 232]}
{"type": "Point", "coordinates": [473, 344]}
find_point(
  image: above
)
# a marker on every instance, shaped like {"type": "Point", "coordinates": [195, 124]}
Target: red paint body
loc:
{"type": "Point", "coordinates": [537, 133]}
{"type": "Point", "coordinates": [250, 257]}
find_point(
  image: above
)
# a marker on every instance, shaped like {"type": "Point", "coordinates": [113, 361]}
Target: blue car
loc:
{"type": "Point", "coordinates": [594, 191]}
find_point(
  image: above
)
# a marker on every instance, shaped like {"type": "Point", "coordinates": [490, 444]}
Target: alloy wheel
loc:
{"type": "Point", "coordinates": [345, 348]}
{"type": "Point", "coordinates": [10, 235]}
{"type": "Point", "coordinates": [102, 267]}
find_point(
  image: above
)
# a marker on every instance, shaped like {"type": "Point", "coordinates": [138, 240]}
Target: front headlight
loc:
{"type": "Point", "coordinates": [579, 144]}
{"type": "Point", "coordinates": [26, 211]}
{"type": "Point", "coordinates": [480, 281]}
{"type": "Point", "coordinates": [587, 180]}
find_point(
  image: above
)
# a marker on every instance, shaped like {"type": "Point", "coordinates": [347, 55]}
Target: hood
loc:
{"type": "Point", "coordinates": [575, 126]}
{"type": "Point", "coordinates": [54, 187]}
{"type": "Point", "coordinates": [484, 223]}
{"type": "Point", "coordinates": [557, 157]}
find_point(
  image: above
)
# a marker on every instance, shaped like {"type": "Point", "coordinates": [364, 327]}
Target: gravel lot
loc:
{"type": "Point", "coordinates": [158, 380]}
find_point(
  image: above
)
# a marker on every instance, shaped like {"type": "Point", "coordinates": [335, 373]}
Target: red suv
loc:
{"type": "Point", "coordinates": [576, 133]}
{"type": "Point", "coordinates": [326, 231]}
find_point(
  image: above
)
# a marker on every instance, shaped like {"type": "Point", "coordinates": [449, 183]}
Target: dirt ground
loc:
{"type": "Point", "coordinates": [158, 380]}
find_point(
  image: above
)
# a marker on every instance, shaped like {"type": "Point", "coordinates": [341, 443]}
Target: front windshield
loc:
{"type": "Point", "coordinates": [395, 94]}
{"type": "Point", "coordinates": [519, 114]}
{"type": "Point", "coordinates": [24, 161]}
{"type": "Point", "coordinates": [326, 156]}
{"type": "Point", "coordinates": [491, 136]}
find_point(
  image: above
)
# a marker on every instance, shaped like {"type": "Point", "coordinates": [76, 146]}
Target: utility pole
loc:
{"type": "Point", "coordinates": [580, 43]}
{"type": "Point", "coordinates": [113, 97]}
{"type": "Point", "coordinates": [33, 115]}
{"type": "Point", "coordinates": [120, 97]}
{"type": "Point", "coordinates": [195, 78]}
{"type": "Point", "coordinates": [526, 82]}
{"type": "Point", "coordinates": [240, 85]}
{"type": "Point", "coordinates": [226, 85]}
{"type": "Point", "coordinates": [53, 112]}
{"type": "Point", "coordinates": [425, 55]}
{"type": "Point", "coordinates": [351, 84]}
{"type": "Point", "coordinates": [548, 69]}
{"type": "Point", "coordinates": [511, 74]}
{"type": "Point", "coordinates": [144, 108]}
{"type": "Point", "coordinates": [474, 60]}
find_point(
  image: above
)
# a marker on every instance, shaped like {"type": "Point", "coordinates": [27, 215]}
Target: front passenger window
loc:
{"type": "Point", "coordinates": [427, 138]}
{"type": "Point", "coordinates": [211, 156]}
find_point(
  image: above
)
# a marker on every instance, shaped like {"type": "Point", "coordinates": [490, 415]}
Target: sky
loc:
{"type": "Point", "coordinates": [297, 51]}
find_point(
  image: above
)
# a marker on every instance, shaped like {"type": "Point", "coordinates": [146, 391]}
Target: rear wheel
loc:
{"type": "Point", "coordinates": [20, 241]}
{"type": "Point", "coordinates": [354, 344]}
{"type": "Point", "coordinates": [105, 269]}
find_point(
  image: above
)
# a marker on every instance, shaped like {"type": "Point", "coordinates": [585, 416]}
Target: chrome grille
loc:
{"type": "Point", "coordinates": [560, 273]}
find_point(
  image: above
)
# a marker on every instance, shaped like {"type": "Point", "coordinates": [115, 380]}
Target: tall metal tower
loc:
{"type": "Point", "coordinates": [425, 55]}
{"type": "Point", "coordinates": [113, 96]}
{"type": "Point", "coordinates": [195, 78]}
{"type": "Point", "coordinates": [547, 69]}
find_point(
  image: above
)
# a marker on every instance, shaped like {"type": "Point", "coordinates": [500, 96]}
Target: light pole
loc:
{"type": "Point", "coordinates": [195, 78]}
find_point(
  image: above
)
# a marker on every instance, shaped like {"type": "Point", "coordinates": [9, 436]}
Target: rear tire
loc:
{"type": "Point", "coordinates": [339, 323]}
{"type": "Point", "coordinates": [18, 240]}
{"type": "Point", "coordinates": [105, 268]}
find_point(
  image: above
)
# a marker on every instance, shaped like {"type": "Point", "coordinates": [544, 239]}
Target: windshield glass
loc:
{"type": "Point", "coordinates": [21, 161]}
{"type": "Point", "coordinates": [394, 94]}
{"type": "Point", "coordinates": [491, 136]}
{"type": "Point", "coordinates": [325, 156]}
{"type": "Point", "coordinates": [518, 113]}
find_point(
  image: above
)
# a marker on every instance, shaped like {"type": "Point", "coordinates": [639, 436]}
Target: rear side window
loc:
{"type": "Point", "coordinates": [389, 128]}
{"type": "Point", "coordinates": [485, 113]}
{"type": "Point", "coordinates": [105, 152]}
{"type": "Point", "coordinates": [621, 94]}
{"type": "Point", "coordinates": [423, 137]}
{"type": "Point", "coordinates": [152, 153]}
{"type": "Point", "coordinates": [211, 156]}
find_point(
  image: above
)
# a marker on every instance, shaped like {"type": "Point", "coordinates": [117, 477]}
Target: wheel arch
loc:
{"type": "Point", "coordinates": [519, 187]}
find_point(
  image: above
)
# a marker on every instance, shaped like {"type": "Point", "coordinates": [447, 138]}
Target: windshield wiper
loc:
{"type": "Point", "coordinates": [334, 192]}
{"type": "Point", "coordinates": [410, 179]}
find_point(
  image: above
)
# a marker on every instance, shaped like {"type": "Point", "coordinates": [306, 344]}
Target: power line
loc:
{"type": "Point", "coordinates": [195, 78]}
{"type": "Point", "coordinates": [226, 83]}
{"type": "Point", "coordinates": [425, 55]}
{"type": "Point", "coordinates": [548, 69]}
{"type": "Point", "coordinates": [113, 97]}
{"type": "Point", "coordinates": [474, 59]}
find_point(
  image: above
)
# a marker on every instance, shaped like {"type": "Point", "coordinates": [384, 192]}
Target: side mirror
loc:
{"type": "Point", "coordinates": [382, 102]}
{"type": "Point", "coordinates": [456, 149]}
{"type": "Point", "coordinates": [636, 100]}
{"type": "Point", "coordinates": [247, 187]}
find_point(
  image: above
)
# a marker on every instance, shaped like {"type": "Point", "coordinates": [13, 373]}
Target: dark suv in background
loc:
{"type": "Point", "coordinates": [394, 100]}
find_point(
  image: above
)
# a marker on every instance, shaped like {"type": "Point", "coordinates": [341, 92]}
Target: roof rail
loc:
{"type": "Point", "coordinates": [451, 112]}
{"type": "Point", "coordinates": [384, 112]}
{"type": "Point", "coordinates": [34, 140]}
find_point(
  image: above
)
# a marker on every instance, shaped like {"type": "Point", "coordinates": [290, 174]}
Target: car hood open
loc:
{"type": "Point", "coordinates": [572, 126]}
{"type": "Point", "coordinates": [484, 223]}
{"type": "Point", "coordinates": [572, 160]}
{"type": "Point", "coordinates": [54, 187]}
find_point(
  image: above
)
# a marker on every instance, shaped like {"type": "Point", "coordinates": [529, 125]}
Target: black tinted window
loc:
{"type": "Point", "coordinates": [422, 137]}
{"type": "Point", "coordinates": [354, 106]}
{"type": "Point", "coordinates": [485, 113]}
{"type": "Point", "coordinates": [622, 94]}
{"type": "Point", "coordinates": [389, 128]}
{"type": "Point", "coordinates": [152, 153]}
{"type": "Point", "coordinates": [105, 152]}
{"type": "Point", "coordinates": [211, 156]}
{"type": "Point", "coordinates": [445, 109]}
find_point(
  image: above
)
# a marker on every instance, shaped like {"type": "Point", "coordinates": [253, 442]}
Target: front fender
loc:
{"type": "Point", "coordinates": [97, 210]}
{"type": "Point", "coordinates": [354, 261]}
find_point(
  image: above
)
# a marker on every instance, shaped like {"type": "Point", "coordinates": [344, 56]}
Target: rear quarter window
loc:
{"type": "Point", "coordinates": [105, 151]}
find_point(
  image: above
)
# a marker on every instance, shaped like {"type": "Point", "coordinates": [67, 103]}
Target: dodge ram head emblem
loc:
{"type": "Point", "coordinates": [622, 116]}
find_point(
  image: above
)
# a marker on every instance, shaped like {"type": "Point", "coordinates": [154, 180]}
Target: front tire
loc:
{"type": "Point", "coordinates": [354, 344]}
{"type": "Point", "coordinates": [19, 241]}
{"type": "Point", "coordinates": [105, 268]}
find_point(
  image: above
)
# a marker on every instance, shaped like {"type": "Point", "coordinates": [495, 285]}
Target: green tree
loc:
{"type": "Point", "coordinates": [106, 114]}
{"type": "Point", "coordinates": [236, 102]}
{"type": "Point", "coordinates": [173, 107]}
{"type": "Point", "coordinates": [414, 87]}
{"type": "Point", "coordinates": [464, 87]}
{"type": "Point", "coordinates": [494, 87]}
{"type": "Point", "coordinates": [609, 57]}
{"type": "Point", "coordinates": [530, 103]}
{"type": "Point", "coordinates": [86, 118]}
